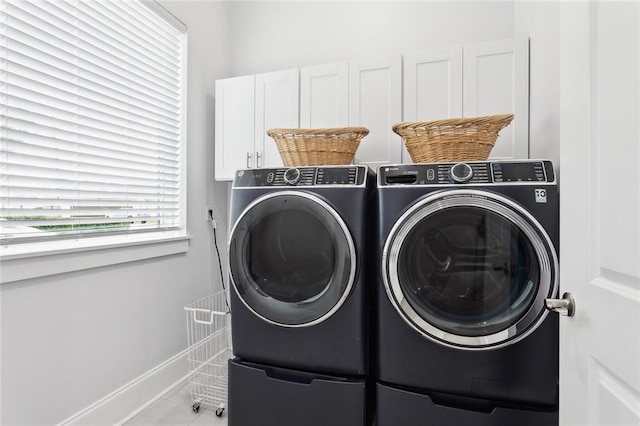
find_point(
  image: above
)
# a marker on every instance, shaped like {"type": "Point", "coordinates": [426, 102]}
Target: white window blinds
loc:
{"type": "Point", "coordinates": [91, 119]}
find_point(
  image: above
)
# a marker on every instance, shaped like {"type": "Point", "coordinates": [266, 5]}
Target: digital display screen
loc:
{"type": "Point", "coordinates": [329, 176]}
{"type": "Point", "coordinates": [509, 172]}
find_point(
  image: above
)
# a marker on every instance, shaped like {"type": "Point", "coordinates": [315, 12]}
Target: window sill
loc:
{"type": "Point", "coordinates": [26, 261]}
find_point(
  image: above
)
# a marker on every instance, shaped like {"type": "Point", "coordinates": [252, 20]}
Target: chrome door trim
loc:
{"type": "Point", "coordinates": [511, 211]}
{"type": "Point", "coordinates": [345, 230]}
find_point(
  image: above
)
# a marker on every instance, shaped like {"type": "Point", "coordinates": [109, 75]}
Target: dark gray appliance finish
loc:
{"type": "Point", "coordinates": [468, 254]}
{"type": "Point", "coordinates": [273, 396]}
{"type": "Point", "coordinates": [411, 408]}
{"type": "Point", "coordinates": [297, 254]}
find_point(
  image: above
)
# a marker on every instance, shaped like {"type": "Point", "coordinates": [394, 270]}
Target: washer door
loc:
{"type": "Point", "coordinates": [470, 269]}
{"type": "Point", "coordinates": [292, 259]}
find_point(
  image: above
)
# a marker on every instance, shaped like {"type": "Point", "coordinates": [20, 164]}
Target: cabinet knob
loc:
{"type": "Point", "coordinates": [258, 159]}
{"type": "Point", "coordinates": [248, 160]}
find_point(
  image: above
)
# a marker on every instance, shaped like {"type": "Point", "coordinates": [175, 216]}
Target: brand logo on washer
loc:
{"type": "Point", "coordinates": [541, 195]}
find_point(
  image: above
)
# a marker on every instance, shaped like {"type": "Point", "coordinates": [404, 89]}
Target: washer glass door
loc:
{"type": "Point", "coordinates": [470, 269]}
{"type": "Point", "coordinates": [292, 258]}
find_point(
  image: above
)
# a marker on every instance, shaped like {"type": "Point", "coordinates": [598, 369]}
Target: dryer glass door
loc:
{"type": "Point", "coordinates": [292, 258]}
{"type": "Point", "coordinates": [470, 269]}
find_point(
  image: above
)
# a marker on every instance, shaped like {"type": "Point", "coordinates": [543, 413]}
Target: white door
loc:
{"type": "Point", "coordinates": [432, 86]}
{"type": "Point", "coordinates": [375, 102]}
{"type": "Point", "coordinates": [600, 212]}
{"type": "Point", "coordinates": [496, 81]}
{"type": "Point", "coordinates": [324, 96]}
{"type": "Point", "coordinates": [277, 95]}
{"type": "Point", "coordinates": [234, 129]}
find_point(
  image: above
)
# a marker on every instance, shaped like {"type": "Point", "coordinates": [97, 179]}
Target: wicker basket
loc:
{"type": "Point", "coordinates": [312, 147]}
{"type": "Point", "coordinates": [453, 139]}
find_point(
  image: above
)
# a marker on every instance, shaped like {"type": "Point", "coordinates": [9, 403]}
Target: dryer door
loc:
{"type": "Point", "coordinates": [291, 258]}
{"type": "Point", "coordinates": [470, 269]}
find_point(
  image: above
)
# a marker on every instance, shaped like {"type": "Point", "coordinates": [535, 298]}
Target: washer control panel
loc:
{"type": "Point", "coordinates": [301, 176]}
{"type": "Point", "coordinates": [461, 173]}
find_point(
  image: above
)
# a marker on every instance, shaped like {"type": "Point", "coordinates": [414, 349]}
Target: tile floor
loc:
{"type": "Point", "coordinates": [174, 409]}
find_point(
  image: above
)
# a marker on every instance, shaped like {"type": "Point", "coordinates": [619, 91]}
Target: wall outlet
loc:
{"type": "Point", "coordinates": [210, 218]}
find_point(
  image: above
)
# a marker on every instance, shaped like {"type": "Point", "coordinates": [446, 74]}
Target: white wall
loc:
{"type": "Point", "coordinates": [70, 340]}
{"type": "Point", "coordinates": [272, 35]}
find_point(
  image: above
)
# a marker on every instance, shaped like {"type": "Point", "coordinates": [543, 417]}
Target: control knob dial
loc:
{"type": "Point", "coordinates": [292, 176]}
{"type": "Point", "coordinates": [461, 172]}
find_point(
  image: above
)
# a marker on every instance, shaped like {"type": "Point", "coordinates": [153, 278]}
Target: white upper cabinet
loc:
{"type": "Point", "coordinates": [464, 81]}
{"type": "Point", "coordinates": [469, 81]}
{"type": "Point", "coordinates": [359, 93]}
{"type": "Point", "coordinates": [245, 108]}
{"type": "Point", "coordinates": [432, 87]}
{"type": "Point", "coordinates": [277, 106]}
{"type": "Point", "coordinates": [375, 102]}
{"type": "Point", "coordinates": [324, 96]}
{"type": "Point", "coordinates": [234, 131]}
{"type": "Point", "coordinates": [496, 81]}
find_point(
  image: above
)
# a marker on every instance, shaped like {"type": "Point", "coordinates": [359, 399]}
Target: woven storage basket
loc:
{"type": "Point", "coordinates": [312, 147]}
{"type": "Point", "coordinates": [453, 139]}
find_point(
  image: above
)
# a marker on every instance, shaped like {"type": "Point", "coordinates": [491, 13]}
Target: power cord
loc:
{"type": "Point", "coordinates": [215, 244]}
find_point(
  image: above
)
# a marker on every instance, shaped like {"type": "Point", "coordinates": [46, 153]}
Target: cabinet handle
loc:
{"type": "Point", "coordinates": [248, 160]}
{"type": "Point", "coordinates": [258, 159]}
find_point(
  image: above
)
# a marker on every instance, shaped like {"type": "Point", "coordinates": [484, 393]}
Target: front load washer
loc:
{"type": "Point", "coordinates": [297, 260]}
{"type": "Point", "coordinates": [468, 255]}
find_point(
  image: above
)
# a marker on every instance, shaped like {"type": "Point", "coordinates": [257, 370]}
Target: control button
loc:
{"type": "Point", "coordinates": [431, 174]}
{"type": "Point", "coordinates": [270, 177]}
{"type": "Point", "coordinates": [292, 176]}
{"type": "Point", "coordinates": [461, 172]}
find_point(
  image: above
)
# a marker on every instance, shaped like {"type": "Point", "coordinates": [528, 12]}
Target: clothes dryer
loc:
{"type": "Point", "coordinates": [468, 255]}
{"type": "Point", "coordinates": [297, 260]}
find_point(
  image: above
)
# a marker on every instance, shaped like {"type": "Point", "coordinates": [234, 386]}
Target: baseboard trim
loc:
{"type": "Point", "coordinates": [124, 403]}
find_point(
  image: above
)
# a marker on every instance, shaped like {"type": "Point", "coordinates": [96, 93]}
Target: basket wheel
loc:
{"type": "Point", "coordinates": [219, 411]}
{"type": "Point", "coordinates": [195, 407]}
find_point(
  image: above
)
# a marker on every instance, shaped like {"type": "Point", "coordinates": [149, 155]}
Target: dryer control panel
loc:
{"type": "Point", "coordinates": [301, 176]}
{"type": "Point", "coordinates": [461, 173]}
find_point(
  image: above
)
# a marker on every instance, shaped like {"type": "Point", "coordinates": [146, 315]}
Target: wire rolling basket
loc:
{"type": "Point", "coordinates": [208, 338]}
{"type": "Point", "coordinates": [452, 139]}
{"type": "Point", "coordinates": [313, 147]}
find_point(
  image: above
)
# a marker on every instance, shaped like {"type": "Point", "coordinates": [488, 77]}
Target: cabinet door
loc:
{"type": "Point", "coordinates": [277, 106]}
{"type": "Point", "coordinates": [234, 130]}
{"type": "Point", "coordinates": [375, 102]}
{"type": "Point", "coordinates": [324, 96]}
{"type": "Point", "coordinates": [496, 81]}
{"type": "Point", "coordinates": [432, 86]}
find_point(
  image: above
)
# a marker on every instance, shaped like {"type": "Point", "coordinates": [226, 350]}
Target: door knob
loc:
{"type": "Point", "coordinates": [565, 306]}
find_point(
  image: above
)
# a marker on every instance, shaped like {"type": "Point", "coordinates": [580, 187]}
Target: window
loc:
{"type": "Point", "coordinates": [92, 119]}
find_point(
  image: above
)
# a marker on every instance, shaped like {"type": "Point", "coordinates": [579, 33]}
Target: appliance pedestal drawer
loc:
{"type": "Point", "coordinates": [273, 396]}
{"type": "Point", "coordinates": [401, 407]}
